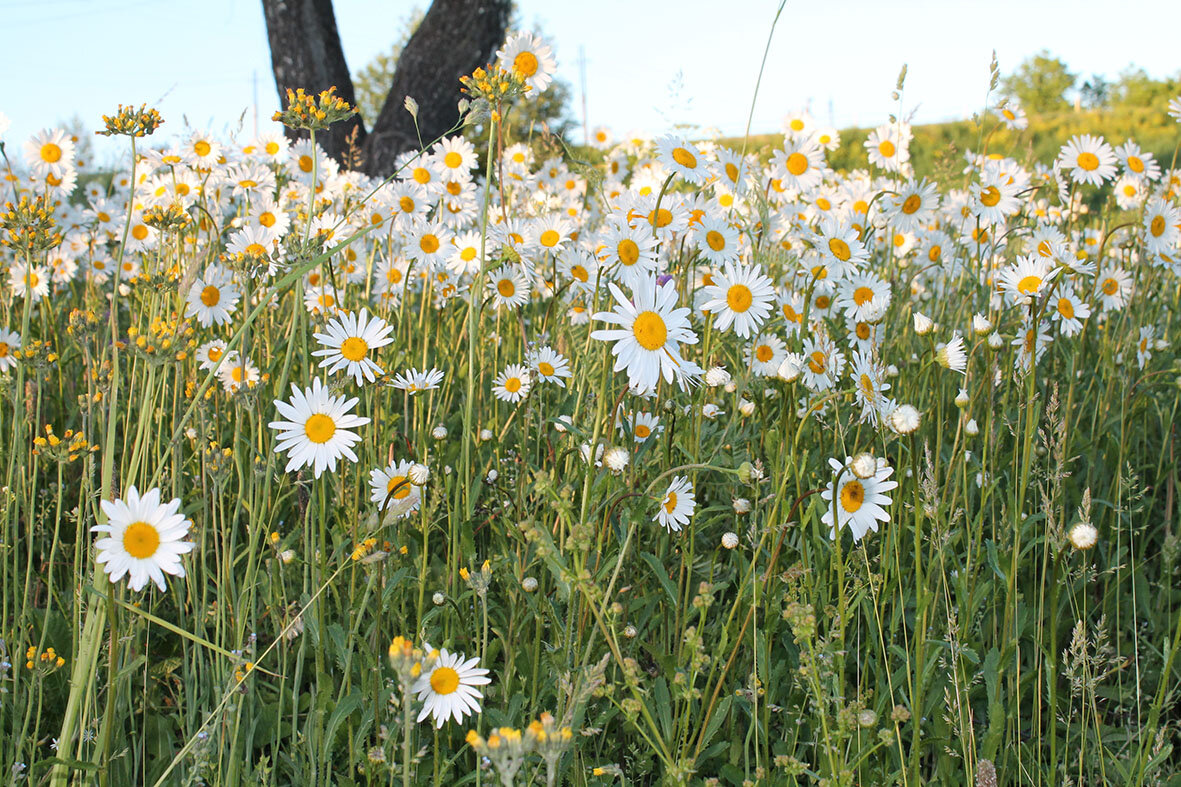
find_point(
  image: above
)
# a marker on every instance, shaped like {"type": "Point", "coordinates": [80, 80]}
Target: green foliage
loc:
{"type": "Point", "coordinates": [1040, 83]}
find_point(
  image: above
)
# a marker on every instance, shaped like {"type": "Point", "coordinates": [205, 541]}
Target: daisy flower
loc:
{"type": "Point", "coordinates": [824, 363]}
{"type": "Point", "coordinates": [888, 147]}
{"type": "Point", "coordinates": [529, 58]}
{"type": "Point", "coordinates": [913, 207]}
{"type": "Point", "coordinates": [1031, 345]}
{"type": "Point", "coordinates": [1012, 116]}
{"type": "Point", "coordinates": [857, 502]}
{"type": "Point", "coordinates": [870, 386]}
{"type": "Point", "coordinates": [144, 540]}
{"type": "Point", "coordinates": [717, 240]}
{"type": "Point", "coordinates": [1113, 287]}
{"type": "Point", "coordinates": [513, 384]}
{"type": "Point", "coordinates": [677, 506]}
{"type": "Point", "coordinates": [235, 372]}
{"type": "Point", "coordinates": [1162, 226]}
{"type": "Point", "coordinates": [633, 248]}
{"type": "Point", "coordinates": [393, 490]}
{"type": "Point", "coordinates": [348, 341]}
{"type": "Point", "coordinates": [210, 354]}
{"type": "Point", "coordinates": [1144, 346]}
{"type": "Point", "coordinates": [680, 157]}
{"type": "Point", "coordinates": [1026, 278]}
{"type": "Point", "coordinates": [1088, 159]}
{"type": "Point", "coordinates": [800, 165]}
{"type": "Point", "coordinates": [643, 426]}
{"type": "Point", "coordinates": [213, 297]}
{"type": "Point", "coordinates": [316, 431]}
{"type": "Point", "coordinates": [765, 354]}
{"type": "Point", "coordinates": [447, 684]}
{"type": "Point", "coordinates": [10, 342]}
{"type": "Point", "coordinates": [839, 247]}
{"type": "Point", "coordinates": [650, 333]}
{"type": "Point", "coordinates": [509, 286]}
{"type": "Point", "coordinates": [1136, 162]}
{"type": "Point", "coordinates": [549, 365]}
{"type": "Point", "coordinates": [50, 152]}
{"type": "Point", "coordinates": [28, 281]}
{"type": "Point", "coordinates": [993, 197]}
{"type": "Point", "coordinates": [413, 381]}
{"type": "Point", "coordinates": [864, 297]}
{"type": "Point", "coordinates": [741, 296]}
{"type": "Point", "coordinates": [1069, 312]}
{"type": "Point", "coordinates": [429, 243]}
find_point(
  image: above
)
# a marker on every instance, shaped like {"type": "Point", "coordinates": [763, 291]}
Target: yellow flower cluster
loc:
{"type": "Point", "coordinates": [47, 659]}
{"type": "Point", "coordinates": [131, 122]}
{"type": "Point", "coordinates": [493, 83]}
{"type": "Point", "coordinates": [66, 448]}
{"type": "Point", "coordinates": [165, 339]}
{"type": "Point", "coordinates": [313, 112]}
{"type": "Point", "coordinates": [364, 548]}
{"type": "Point", "coordinates": [29, 224]}
{"type": "Point", "coordinates": [167, 217]}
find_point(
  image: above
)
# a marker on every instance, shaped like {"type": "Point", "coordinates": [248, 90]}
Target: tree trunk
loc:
{"type": "Point", "coordinates": [453, 39]}
{"type": "Point", "coordinates": [306, 52]}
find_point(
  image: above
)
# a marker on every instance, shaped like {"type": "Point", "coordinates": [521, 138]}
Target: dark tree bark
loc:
{"type": "Point", "coordinates": [306, 52]}
{"type": "Point", "coordinates": [453, 39]}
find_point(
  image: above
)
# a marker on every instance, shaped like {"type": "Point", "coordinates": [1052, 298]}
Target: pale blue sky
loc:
{"type": "Point", "coordinates": [198, 60]}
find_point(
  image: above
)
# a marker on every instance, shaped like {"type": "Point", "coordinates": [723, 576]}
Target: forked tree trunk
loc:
{"type": "Point", "coordinates": [306, 52]}
{"type": "Point", "coordinates": [453, 39]}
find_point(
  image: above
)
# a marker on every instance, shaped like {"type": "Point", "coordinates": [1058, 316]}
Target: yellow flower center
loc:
{"type": "Point", "coordinates": [739, 297]}
{"type": "Point", "coordinates": [201, 148]}
{"type": "Point", "coordinates": [305, 163]}
{"type": "Point", "coordinates": [629, 251]}
{"type": "Point", "coordinates": [990, 196]}
{"type": "Point", "coordinates": [452, 160]}
{"type": "Point", "coordinates": [354, 348]}
{"type": "Point", "coordinates": [51, 153]}
{"type": "Point", "coordinates": [267, 219]}
{"type": "Point", "coordinates": [525, 64]}
{"type": "Point", "coordinates": [141, 540]}
{"type": "Point", "coordinates": [642, 431]}
{"type": "Point", "coordinates": [670, 502]}
{"type": "Point", "coordinates": [550, 238]}
{"type": "Point", "coordinates": [886, 148]}
{"type": "Point", "coordinates": [429, 243]}
{"type": "Point", "coordinates": [852, 496]}
{"type": "Point", "coordinates": [399, 483]}
{"type": "Point", "coordinates": [839, 249]}
{"type": "Point", "coordinates": [796, 124]}
{"type": "Point", "coordinates": [1135, 164]}
{"type": "Point", "coordinates": [790, 314]}
{"type": "Point", "coordinates": [797, 164]}
{"type": "Point", "coordinates": [1157, 226]}
{"type": "Point", "coordinates": [934, 253]}
{"type": "Point", "coordinates": [731, 172]}
{"type": "Point", "coordinates": [319, 428]}
{"type": "Point", "coordinates": [271, 148]}
{"type": "Point", "coordinates": [1110, 286]}
{"type": "Point", "coordinates": [823, 301]}
{"type": "Point", "coordinates": [1088, 161]}
{"type": "Point", "coordinates": [818, 362]}
{"type": "Point", "coordinates": [580, 273]}
{"type": "Point", "coordinates": [506, 288]}
{"type": "Point", "coordinates": [445, 680]}
{"type": "Point", "coordinates": [139, 232]}
{"type": "Point", "coordinates": [1066, 308]}
{"type": "Point", "coordinates": [512, 384]}
{"type": "Point", "coordinates": [210, 296]}
{"type": "Point", "coordinates": [862, 295]}
{"type": "Point", "coordinates": [215, 353]}
{"type": "Point", "coordinates": [716, 240]}
{"type": "Point", "coordinates": [862, 330]}
{"type": "Point", "coordinates": [650, 330]}
{"type": "Point", "coordinates": [684, 158]}
{"type": "Point", "coordinates": [256, 250]}
{"type": "Point", "coordinates": [1029, 285]}
{"type": "Point", "coordinates": [1008, 113]}
{"type": "Point", "coordinates": [546, 368]}
{"type": "Point", "coordinates": [911, 204]}
{"type": "Point", "coordinates": [764, 353]}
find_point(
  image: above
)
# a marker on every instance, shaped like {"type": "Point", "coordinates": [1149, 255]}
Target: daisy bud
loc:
{"type": "Point", "coordinates": [439, 433]}
{"type": "Point", "coordinates": [287, 555]}
{"type": "Point", "coordinates": [485, 435]}
{"type": "Point", "coordinates": [922, 324]}
{"type": "Point", "coordinates": [616, 459]}
{"type": "Point", "coordinates": [529, 584]}
{"type": "Point", "coordinates": [492, 476]}
{"type": "Point", "coordinates": [730, 387]}
{"type": "Point", "coordinates": [730, 540]}
{"type": "Point", "coordinates": [438, 599]}
{"type": "Point", "coordinates": [419, 474]}
{"type": "Point", "coordinates": [411, 107]}
{"type": "Point", "coordinates": [1083, 536]}
{"type": "Point", "coordinates": [891, 371]}
{"type": "Point", "coordinates": [962, 399]}
{"type": "Point", "coordinates": [905, 419]}
{"type": "Point", "coordinates": [864, 465]}
{"type": "Point", "coordinates": [716, 376]}
{"type": "Point", "coordinates": [789, 370]}
{"type": "Point", "coordinates": [746, 408]}
{"type": "Point", "coordinates": [995, 342]}
{"type": "Point", "coordinates": [630, 631]}
{"type": "Point", "coordinates": [741, 506]}
{"type": "Point", "coordinates": [971, 429]}
{"type": "Point", "coordinates": [981, 325]}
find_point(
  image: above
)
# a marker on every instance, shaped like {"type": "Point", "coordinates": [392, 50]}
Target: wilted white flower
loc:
{"type": "Point", "coordinates": [485, 435]}
{"type": "Point", "coordinates": [529, 584]}
{"type": "Point", "coordinates": [492, 476]}
{"type": "Point", "coordinates": [630, 631]}
{"type": "Point", "coordinates": [439, 433]}
{"type": "Point", "coordinates": [419, 474]}
{"type": "Point", "coordinates": [790, 369]}
{"type": "Point", "coordinates": [730, 540]}
{"type": "Point", "coordinates": [922, 324]}
{"type": "Point", "coordinates": [981, 325]}
{"type": "Point", "coordinates": [741, 505]}
{"type": "Point", "coordinates": [1083, 535]}
{"type": "Point", "coordinates": [562, 423]}
{"type": "Point", "coordinates": [904, 419]}
{"type": "Point", "coordinates": [745, 407]}
{"type": "Point", "coordinates": [711, 411]}
{"type": "Point", "coordinates": [616, 458]}
{"type": "Point", "coordinates": [438, 599]}
{"type": "Point", "coordinates": [716, 376]}
{"type": "Point", "coordinates": [952, 355]}
{"type": "Point", "coordinates": [864, 465]}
